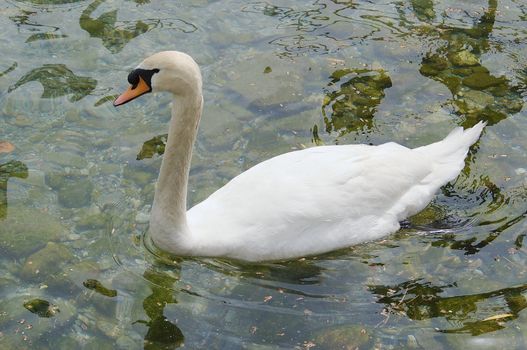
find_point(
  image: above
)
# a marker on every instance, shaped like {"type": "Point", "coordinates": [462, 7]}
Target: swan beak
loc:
{"type": "Point", "coordinates": [133, 92]}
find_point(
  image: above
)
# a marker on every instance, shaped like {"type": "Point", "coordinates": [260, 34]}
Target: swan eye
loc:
{"type": "Point", "coordinates": [146, 74]}
{"type": "Point", "coordinates": [133, 78]}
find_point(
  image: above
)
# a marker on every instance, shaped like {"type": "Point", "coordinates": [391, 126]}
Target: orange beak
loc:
{"type": "Point", "coordinates": [133, 92]}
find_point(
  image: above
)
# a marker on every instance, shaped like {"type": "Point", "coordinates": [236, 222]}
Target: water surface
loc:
{"type": "Point", "coordinates": [75, 193]}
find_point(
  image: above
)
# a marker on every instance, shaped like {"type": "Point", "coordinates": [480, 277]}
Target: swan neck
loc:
{"type": "Point", "coordinates": [168, 221]}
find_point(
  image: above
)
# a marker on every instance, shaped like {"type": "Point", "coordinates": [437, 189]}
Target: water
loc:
{"type": "Point", "coordinates": [76, 270]}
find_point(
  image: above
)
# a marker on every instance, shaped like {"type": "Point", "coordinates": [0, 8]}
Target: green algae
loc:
{"type": "Point", "coordinates": [41, 307]}
{"type": "Point", "coordinates": [98, 287]}
{"type": "Point", "coordinates": [481, 81]}
{"type": "Point", "coordinates": [155, 145]}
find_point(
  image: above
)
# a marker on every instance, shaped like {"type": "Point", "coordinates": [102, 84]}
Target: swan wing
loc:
{"type": "Point", "coordinates": [314, 200]}
{"type": "Point", "coordinates": [324, 198]}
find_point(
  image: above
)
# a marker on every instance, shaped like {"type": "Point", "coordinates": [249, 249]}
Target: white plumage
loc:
{"type": "Point", "coordinates": [298, 203]}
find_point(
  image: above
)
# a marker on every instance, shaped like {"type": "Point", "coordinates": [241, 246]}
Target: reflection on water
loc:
{"type": "Point", "coordinates": [116, 34]}
{"type": "Point", "coordinates": [12, 168]}
{"type": "Point", "coordinates": [370, 71]}
{"type": "Point", "coordinates": [45, 32]}
{"type": "Point", "coordinates": [161, 334]}
{"type": "Point", "coordinates": [305, 22]}
{"type": "Point", "coordinates": [301, 272]}
{"type": "Point", "coordinates": [496, 201]}
{"type": "Point", "coordinates": [420, 300]}
{"type": "Point", "coordinates": [8, 70]}
{"type": "Point", "coordinates": [472, 245]}
{"type": "Point", "coordinates": [353, 104]}
{"type": "Point", "coordinates": [456, 63]}
{"type": "Point", "coordinates": [57, 80]}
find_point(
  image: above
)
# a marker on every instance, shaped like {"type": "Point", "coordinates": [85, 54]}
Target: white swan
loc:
{"type": "Point", "coordinates": [299, 203]}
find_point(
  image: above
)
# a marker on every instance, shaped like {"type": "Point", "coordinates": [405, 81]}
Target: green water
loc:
{"type": "Point", "coordinates": [279, 75]}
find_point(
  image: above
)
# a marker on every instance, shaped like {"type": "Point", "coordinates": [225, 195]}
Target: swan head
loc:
{"type": "Point", "coordinates": [170, 71]}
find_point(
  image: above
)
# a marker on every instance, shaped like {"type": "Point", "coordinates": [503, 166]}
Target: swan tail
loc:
{"type": "Point", "coordinates": [449, 154]}
{"type": "Point", "coordinates": [448, 159]}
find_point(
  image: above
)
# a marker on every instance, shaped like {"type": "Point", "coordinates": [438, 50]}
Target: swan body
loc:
{"type": "Point", "coordinates": [299, 203]}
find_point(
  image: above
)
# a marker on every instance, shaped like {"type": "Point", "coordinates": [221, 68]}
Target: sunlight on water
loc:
{"type": "Point", "coordinates": [77, 177]}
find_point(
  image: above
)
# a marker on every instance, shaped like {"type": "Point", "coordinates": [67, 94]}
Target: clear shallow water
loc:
{"type": "Point", "coordinates": [284, 75]}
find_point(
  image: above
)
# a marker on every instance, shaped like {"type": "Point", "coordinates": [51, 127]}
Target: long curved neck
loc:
{"type": "Point", "coordinates": [168, 222]}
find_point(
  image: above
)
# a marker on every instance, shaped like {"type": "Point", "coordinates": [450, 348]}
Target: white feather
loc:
{"type": "Point", "coordinates": [324, 198]}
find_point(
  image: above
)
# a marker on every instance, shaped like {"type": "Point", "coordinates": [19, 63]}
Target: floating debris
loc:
{"type": "Point", "coordinates": [153, 146]}
{"type": "Point", "coordinates": [41, 307]}
{"type": "Point", "coordinates": [498, 317]}
{"type": "Point", "coordinates": [105, 99]}
{"type": "Point", "coordinates": [97, 286]}
{"type": "Point", "coordinates": [6, 147]}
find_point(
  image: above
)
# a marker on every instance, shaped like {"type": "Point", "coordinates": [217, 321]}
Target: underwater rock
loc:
{"type": "Point", "coordinates": [69, 280]}
{"type": "Point", "coordinates": [342, 337]}
{"type": "Point", "coordinates": [464, 58]}
{"type": "Point", "coordinates": [72, 115]}
{"type": "Point", "coordinates": [142, 217]}
{"type": "Point", "coordinates": [46, 261]}
{"type": "Point", "coordinates": [92, 222]}
{"type": "Point", "coordinates": [22, 121]}
{"type": "Point", "coordinates": [283, 85]}
{"type": "Point", "coordinates": [76, 193]}
{"type": "Point", "coordinates": [476, 100]}
{"type": "Point", "coordinates": [99, 344]}
{"type": "Point", "coordinates": [5, 283]}
{"type": "Point", "coordinates": [139, 175]}
{"type": "Point", "coordinates": [482, 80]}
{"type": "Point", "coordinates": [66, 159]}
{"type": "Point", "coordinates": [411, 342]}
{"type": "Point", "coordinates": [64, 343]}
{"type": "Point", "coordinates": [433, 65]}
{"type": "Point", "coordinates": [109, 169]}
{"type": "Point", "coordinates": [73, 191]}
{"type": "Point", "coordinates": [109, 327]}
{"type": "Point", "coordinates": [497, 340]}
{"type": "Point", "coordinates": [26, 230]}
